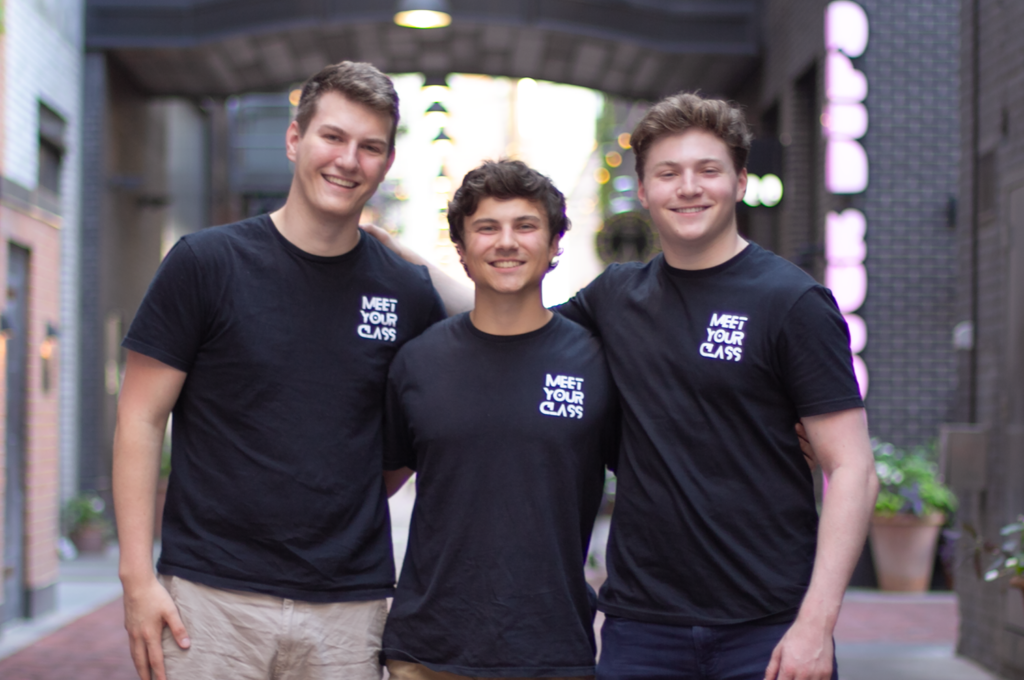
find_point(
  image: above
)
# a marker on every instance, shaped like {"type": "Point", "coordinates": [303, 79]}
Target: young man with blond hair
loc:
{"type": "Point", "coordinates": [719, 566]}
{"type": "Point", "coordinates": [270, 339]}
{"type": "Point", "coordinates": [508, 415]}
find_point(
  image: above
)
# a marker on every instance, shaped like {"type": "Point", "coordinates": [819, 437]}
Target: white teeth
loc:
{"type": "Point", "coordinates": [340, 182]}
{"type": "Point", "coordinates": [690, 210]}
{"type": "Point", "coordinates": [506, 264]}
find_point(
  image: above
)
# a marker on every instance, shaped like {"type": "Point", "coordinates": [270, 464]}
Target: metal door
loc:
{"type": "Point", "coordinates": [16, 317]}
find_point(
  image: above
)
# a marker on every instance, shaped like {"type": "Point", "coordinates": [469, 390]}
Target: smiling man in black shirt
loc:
{"type": "Point", "coordinates": [718, 565]}
{"type": "Point", "coordinates": [271, 339]}
{"type": "Point", "coordinates": [508, 416]}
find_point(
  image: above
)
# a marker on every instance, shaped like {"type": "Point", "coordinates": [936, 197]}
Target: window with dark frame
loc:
{"type": "Point", "coordinates": [52, 129]}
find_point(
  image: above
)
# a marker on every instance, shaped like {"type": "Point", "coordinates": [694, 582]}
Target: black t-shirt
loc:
{"type": "Point", "coordinates": [715, 520]}
{"type": "Point", "coordinates": [276, 482]}
{"type": "Point", "coordinates": [509, 436]}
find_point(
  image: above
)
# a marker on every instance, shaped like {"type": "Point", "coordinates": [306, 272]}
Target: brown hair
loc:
{"type": "Point", "coordinates": [684, 111]}
{"type": "Point", "coordinates": [506, 179]}
{"type": "Point", "coordinates": [361, 82]}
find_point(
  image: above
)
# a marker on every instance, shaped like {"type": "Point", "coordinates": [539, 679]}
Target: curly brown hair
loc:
{"type": "Point", "coordinates": [360, 82]}
{"type": "Point", "coordinates": [506, 179]}
{"type": "Point", "coordinates": [684, 111]}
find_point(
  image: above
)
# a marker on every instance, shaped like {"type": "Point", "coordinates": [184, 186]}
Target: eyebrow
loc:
{"type": "Point", "coordinates": [327, 127]}
{"type": "Point", "coordinates": [699, 161]}
{"type": "Point", "coordinates": [521, 218]}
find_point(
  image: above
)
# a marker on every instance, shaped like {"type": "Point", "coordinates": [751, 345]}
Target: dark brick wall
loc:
{"type": "Point", "coordinates": [912, 66]}
{"type": "Point", "coordinates": [992, 616]}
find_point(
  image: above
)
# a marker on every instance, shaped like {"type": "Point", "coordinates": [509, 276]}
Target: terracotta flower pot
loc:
{"type": "Point", "coordinates": [90, 538]}
{"type": "Point", "coordinates": [903, 550]}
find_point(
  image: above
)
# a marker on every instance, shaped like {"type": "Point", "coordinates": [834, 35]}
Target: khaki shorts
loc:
{"type": "Point", "coordinates": [244, 636]}
{"type": "Point", "coordinates": [404, 670]}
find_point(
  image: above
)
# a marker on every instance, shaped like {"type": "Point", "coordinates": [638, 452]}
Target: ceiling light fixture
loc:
{"type": "Point", "coordinates": [423, 13]}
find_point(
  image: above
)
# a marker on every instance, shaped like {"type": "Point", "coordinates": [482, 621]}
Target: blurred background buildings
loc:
{"type": "Point", "coordinates": [889, 163]}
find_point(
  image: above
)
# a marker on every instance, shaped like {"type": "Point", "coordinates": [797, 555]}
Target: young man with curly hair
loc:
{"type": "Point", "coordinates": [508, 416]}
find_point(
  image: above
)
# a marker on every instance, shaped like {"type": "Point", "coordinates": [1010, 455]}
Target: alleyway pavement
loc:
{"type": "Point", "coordinates": [880, 636]}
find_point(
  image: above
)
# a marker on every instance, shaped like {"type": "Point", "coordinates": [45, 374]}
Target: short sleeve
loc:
{"type": "Point", "coordinates": [578, 308]}
{"type": "Point", "coordinates": [398, 450]}
{"type": "Point", "coordinates": [437, 311]}
{"type": "Point", "coordinates": [171, 321]}
{"type": "Point", "coordinates": [814, 356]}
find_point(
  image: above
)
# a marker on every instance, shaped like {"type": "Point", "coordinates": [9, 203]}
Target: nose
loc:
{"type": "Point", "coordinates": [688, 184]}
{"type": "Point", "coordinates": [347, 156]}
{"type": "Point", "coordinates": [507, 238]}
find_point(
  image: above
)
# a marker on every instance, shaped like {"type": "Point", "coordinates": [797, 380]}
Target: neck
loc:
{"type": "Point", "coordinates": [704, 256]}
{"type": "Point", "coordinates": [502, 314]}
{"type": "Point", "coordinates": [313, 232]}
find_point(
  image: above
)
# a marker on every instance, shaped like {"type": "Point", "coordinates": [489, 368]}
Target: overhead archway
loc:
{"type": "Point", "coordinates": [632, 48]}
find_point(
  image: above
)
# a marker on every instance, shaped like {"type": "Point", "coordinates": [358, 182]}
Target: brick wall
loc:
{"type": "Point", "coordinates": [42, 61]}
{"type": "Point", "coordinates": [913, 147]}
{"type": "Point", "coordinates": [992, 618]}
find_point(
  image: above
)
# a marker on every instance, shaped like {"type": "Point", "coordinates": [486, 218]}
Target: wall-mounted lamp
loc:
{"type": "Point", "coordinates": [423, 13]}
{"type": "Point", "coordinates": [46, 356]}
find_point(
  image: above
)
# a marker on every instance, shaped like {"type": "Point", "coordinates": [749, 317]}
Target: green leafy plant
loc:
{"type": "Point", "coordinates": [1009, 554]}
{"type": "Point", "coordinates": [85, 509]}
{"type": "Point", "coordinates": [909, 481]}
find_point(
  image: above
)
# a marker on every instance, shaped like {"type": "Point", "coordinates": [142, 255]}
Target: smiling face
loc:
{"type": "Point", "coordinates": [691, 188]}
{"type": "Point", "coordinates": [341, 159]}
{"type": "Point", "coordinates": [507, 246]}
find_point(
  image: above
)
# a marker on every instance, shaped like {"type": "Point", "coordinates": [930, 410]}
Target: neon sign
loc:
{"type": "Point", "coordinates": [844, 121]}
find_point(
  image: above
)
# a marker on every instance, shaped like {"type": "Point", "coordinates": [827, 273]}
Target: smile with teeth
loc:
{"type": "Point", "coordinates": [338, 181]}
{"type": "Point", "coordinates": [506, 264]}
{"type": "Point", "coordinates": [690, 211]}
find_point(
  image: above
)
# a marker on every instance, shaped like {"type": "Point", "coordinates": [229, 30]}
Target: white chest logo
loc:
{"type": "Point", "coordinates": [724, 337]}
{"type": "Point", "coordinates": [563, 396]}
{"type": "Point", "coordinates": [380, 319]}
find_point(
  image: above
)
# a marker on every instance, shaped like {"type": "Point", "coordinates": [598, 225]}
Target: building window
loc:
{"type": "Point", "coordinates": [52, 129]}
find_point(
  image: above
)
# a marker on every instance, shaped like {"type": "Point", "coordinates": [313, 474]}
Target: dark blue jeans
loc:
{"type": "Point", "coordinates": [634, 650]}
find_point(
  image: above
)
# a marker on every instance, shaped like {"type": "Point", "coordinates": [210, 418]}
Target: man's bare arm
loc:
{"type": "Point", "coordinates": [148, 394]}
{"type": "Point", "coordinates": [457, 296]}
{"type": "Point", "coordinates": [841, 445]}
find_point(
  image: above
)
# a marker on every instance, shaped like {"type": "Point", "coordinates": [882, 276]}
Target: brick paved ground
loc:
{"type": "Point", "coordinates": [869, 616]}
{"type": "Point", "coordinates": [95, 647]}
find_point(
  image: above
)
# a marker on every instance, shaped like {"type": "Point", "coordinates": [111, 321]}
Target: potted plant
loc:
{"type": "Point", "coordinates": [1009, 554]}
{"type": "Point", "coordinates": [912, 506]}
{"type": "Point", "coordinates": [85, 523]}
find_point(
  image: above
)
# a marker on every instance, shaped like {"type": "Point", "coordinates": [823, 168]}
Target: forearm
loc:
{"type": "Point", "coordinates": [457, 297]}
{"type": "Point", "coordinates": [842, 530]}
{"type": "Point", "coordinates": [137, 448]}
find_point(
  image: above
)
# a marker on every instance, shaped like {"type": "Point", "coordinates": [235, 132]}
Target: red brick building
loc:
{"type": "Point", "coordinates": [40, 58]}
